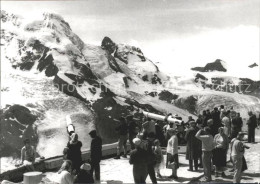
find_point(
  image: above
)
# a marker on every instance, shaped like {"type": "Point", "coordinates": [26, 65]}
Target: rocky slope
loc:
{"type": "Point", "coordinates": [48, 72]}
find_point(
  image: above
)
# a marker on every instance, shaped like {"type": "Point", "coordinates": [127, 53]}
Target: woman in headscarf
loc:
{"type": "Point", "coordinates": [221, 143]}
{"type": "Point", "coordinates": [74, 146]}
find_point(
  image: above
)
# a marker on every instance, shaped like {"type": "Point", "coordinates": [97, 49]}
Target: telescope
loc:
{"type": "Point", "coordinates": [170, 119]}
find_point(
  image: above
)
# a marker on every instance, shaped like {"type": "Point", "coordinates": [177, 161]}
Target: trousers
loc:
{"type": "Point", "coordinates": [206, 161]}
{"type": "Point", "coordinates": [237, 162]}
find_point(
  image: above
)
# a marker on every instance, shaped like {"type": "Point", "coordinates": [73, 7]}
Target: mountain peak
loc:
{"type": "Point", "coordinates": [217, 65]}
{"type": "Point", "coordinates": [253, 65]}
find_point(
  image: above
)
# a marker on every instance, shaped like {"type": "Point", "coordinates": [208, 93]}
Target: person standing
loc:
{"type": "Point", "coordinates": [151, 157]}
{"type": "Point", "coordinates": [216, 120]}
{"type": "Point", "coordinates": [252, 124]}
{"type": "Point", "coordinates": [172, 153]}
{"type": "Point", "coordinates": [199, 121]}
{"type": "Point", "coordinates": [138, 158]}
{"type": "Point", "coordinates": [237, 153]}
{"type": "Point", "coordinates": [192, 151]}
{"type": "Point", "coordinates": [226, 123]}
{"type": "Point", "coordinates": [95, 153]}
{"type": "Point", "coordinates": [122, 130]}
{"type": "Point", "coordinates": [74, 153]}
{"type": "Point", "coordinates": [211, 127]}
{"type": "Point", "coordinates": [158, 157]}
{"type": "Point", "coordinates": [222, 111]}
{"type": "Point", "coordinates": [236, 125]}
{"type": "Point", "coordinates": [207, 147]}
{"type": "Point", "coordinates": [220, 152]}
{"type": "Point", "coordinates": [239, 122]}
{"type": "Point", "coordinates": [28, 155]}
{"type": "Point", "coordinates": [131, 130]}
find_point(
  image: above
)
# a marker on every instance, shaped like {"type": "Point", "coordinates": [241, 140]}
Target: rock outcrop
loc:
{"type": "Point", "coordinates": [218, 65]}
{"type": "Point", "coordinates": [253, 65]}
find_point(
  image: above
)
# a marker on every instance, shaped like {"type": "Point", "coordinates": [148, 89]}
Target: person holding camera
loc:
{"type": "Point", "coordinates": [207, 147]}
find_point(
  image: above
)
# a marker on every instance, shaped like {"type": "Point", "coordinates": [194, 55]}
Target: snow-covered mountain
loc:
{"type": "Point", "coordinates": [48, 72]}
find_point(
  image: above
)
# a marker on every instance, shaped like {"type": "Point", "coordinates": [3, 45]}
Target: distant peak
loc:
{"type": "Point", "coordinates": [217, 65]}
{"type": "Point", "coordinates": [253, 65]}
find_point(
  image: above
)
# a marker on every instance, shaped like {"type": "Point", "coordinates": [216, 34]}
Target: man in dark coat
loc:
{"type": "Point", "coordinates": [215, 114]}
{"type": "Point", "coordinates": [95, 153]}
{"type": "Point", "coordinates": [151, 157]}
{"type": "Point", "coordinates": [236, 125]}
{"type": "Point", "coordinates": [252, 124]}
{"type": "Point", "coordinates": [205, 118]}
{"type": "Point", "coordinates": [193, 146]}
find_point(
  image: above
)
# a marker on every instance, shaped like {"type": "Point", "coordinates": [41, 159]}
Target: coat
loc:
{"type": "Point", "coordinates": [193, 150]}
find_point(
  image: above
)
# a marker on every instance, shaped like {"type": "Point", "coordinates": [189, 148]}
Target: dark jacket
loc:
{"type": "Point", "coordinates": [96, 149]}
{"type": "Point", "coordinates": [84, 177]}
{"type": "Point", "coordinates": [193, 144]}
{"type": "Point", "coordinates": [138, 157]}
{"type": "Point", "coordinates": [252, 122]}
{"type": "Point", "coordinates": [131, 128]}
{"type": "Point", "coordinates": [122, 129]}
{"type": "Point", "coordinates": [236, 122]}
{"type": "Point", "coordinates": [74, 151]}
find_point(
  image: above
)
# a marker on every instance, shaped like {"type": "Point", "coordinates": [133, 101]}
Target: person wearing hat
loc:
{"type": "Point", "coordinates": [74, 150]}
{"type": "Point", "coordinates": [193, 145]}
{"type": "Point", "coordinates": [237, 154]}
{"type": "Point", "coordinates": [138, 158]}
{"type": "Point", "coordinates": [95, 154]}
{"type": "Point", "coordinates": [172, 153]}
{"type": "Point", "coordinates": [84, 175]}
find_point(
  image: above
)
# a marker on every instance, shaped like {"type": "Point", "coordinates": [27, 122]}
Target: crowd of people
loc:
{"type": "Point", "coordinates": [208, 139]}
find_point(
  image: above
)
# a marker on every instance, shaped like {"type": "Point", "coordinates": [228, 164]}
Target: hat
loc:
{"type": "Point", "coordinates": [137, 141]}
{"type": "Point", "coordinates": [85, 167]}
{"type": "Point", "coordinates": [92, 132]}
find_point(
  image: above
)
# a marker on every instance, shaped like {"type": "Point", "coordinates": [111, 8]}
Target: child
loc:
{"type": "Point", "coordinates": [158, 156]}
{"type": "Point", "coordinates": [172, 153]}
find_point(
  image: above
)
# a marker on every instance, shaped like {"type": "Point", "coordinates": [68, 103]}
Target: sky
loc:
{"type": "Point", "coordinates": [175, 34]}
